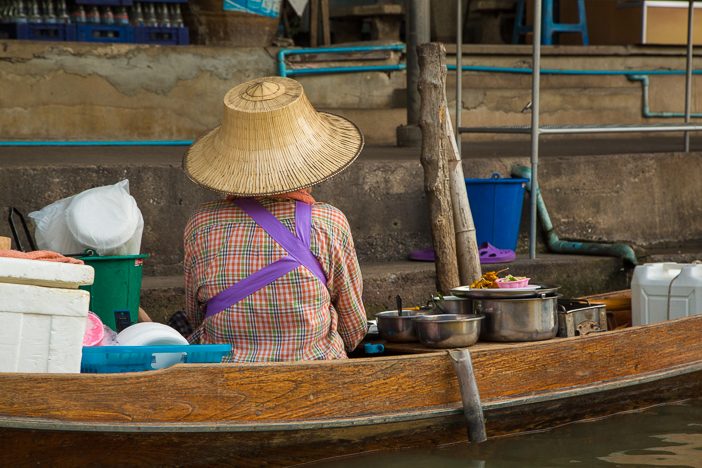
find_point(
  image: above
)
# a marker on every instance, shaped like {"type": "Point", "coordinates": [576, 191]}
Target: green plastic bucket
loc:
{"type": "Point", "coordinates": [114, 295]}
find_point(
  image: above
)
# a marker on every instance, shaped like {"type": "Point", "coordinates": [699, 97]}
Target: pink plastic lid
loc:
{"type": "Point", "coordinates": [94, 330]}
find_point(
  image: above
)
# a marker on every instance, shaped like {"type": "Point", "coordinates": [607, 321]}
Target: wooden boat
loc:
{"type": "Point", "coordinates": [282, 414]}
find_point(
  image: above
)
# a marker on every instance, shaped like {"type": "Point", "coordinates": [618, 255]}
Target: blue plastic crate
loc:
{"type": "Point", "coordinates": [496, 206]}
{"type": "Point", "coordinates": [105, 2]}
{"type": "Point", "coordinates": [111, 359]}
{"type": "Point", "coordinates": [161, 35]}
{"type": "Point", "coordinates": [104, 33]}
{"type": "Point", "coordinates": [38, 31]}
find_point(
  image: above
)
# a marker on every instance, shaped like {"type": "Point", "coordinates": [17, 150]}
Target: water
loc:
{"type": "Point", "coordinates": [669, 435]}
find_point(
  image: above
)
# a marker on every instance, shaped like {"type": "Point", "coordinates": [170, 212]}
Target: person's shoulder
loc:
{"type": "Point", "coordinates": [330, 216]}
{"type": "Point", "coordinates": [205, 214]}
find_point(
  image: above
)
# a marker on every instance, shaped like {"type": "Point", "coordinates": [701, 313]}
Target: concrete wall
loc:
{"type": "Point", "coordinates": [88, 91]}
{"type": "Point", "coordinates": [646, 200]}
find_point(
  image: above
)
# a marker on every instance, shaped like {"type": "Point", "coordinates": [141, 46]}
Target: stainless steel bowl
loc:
{"type": "Point", "coordinates": [533, 319]}
{"type": "Point", "coordinates": [398, 328]}
{"type": "Point", "coordinates": [452, 305]}
{"type": "Point", "coordinates": [448, 330]}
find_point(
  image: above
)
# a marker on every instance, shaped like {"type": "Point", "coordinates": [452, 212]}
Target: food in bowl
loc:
{"type": "Point", "coordinates": [510, 281]}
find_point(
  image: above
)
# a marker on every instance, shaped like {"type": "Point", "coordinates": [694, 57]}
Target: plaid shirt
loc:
{"type": "Point", "coordinates": [294, 318]}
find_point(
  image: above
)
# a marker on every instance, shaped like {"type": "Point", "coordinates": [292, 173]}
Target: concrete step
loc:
{"type": "Point", "coordinates": [592, 195]}
{"type": "Point", "coordinates": [577, 275]}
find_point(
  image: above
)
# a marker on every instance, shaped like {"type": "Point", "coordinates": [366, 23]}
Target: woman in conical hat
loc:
{"type": "Point", "coordinates": [268, 269]}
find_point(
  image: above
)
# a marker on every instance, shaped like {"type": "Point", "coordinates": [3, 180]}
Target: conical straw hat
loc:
{"type": "Point", "coordinates": [271, 141]}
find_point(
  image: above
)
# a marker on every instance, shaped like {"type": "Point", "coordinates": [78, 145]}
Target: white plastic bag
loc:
{"type": "Point", "coordinates": [105, 219]}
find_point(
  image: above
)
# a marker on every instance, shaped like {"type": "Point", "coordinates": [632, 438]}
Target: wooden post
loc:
{"type": "Point", "coordinates": [5, 243]}
{"type": "Point", "coordinates": [472, 408]}
{"type": "Point", "coordinates": [314, 22]}
{"type": "Point", "coordinates": [432, 77]}
{"type": "Point", "coordinates": [326, 31]}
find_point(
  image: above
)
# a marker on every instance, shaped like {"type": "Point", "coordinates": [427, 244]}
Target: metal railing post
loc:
{"type": "Point", "coordinates": [688, 70]}
{"type": "Point", "coordinates": [459, 70]}
{"type": "Point", "coordinates": [535, 129]}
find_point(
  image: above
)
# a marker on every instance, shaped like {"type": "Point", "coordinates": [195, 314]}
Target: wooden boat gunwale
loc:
{"type": "Point", "coordinates": [48, 424]}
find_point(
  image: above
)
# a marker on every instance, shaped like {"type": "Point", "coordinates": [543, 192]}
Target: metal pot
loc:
{"type": "Point", "coordinates": [532, 319]}
{"type": "Point", "coordinates": [398, 328]}
{"type": "Point", "coordinates": [448, 330]}
{"type": "Point", "coordinates": [452, 305]}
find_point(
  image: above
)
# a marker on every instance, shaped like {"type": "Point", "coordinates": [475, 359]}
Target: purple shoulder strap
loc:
{"type": "Point", "coordinates": [296, 246]}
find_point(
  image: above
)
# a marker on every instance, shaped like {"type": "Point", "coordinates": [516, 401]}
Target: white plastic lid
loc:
{"type": "Point", "coordinates": [103, 217]}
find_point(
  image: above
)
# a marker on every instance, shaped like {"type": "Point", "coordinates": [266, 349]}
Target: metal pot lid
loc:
{"type": "Point", "coordinates": [505, 293]}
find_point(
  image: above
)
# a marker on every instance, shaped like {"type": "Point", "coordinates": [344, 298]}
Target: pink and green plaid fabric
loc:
{"type": "Point", "coordinates": [294, 318]}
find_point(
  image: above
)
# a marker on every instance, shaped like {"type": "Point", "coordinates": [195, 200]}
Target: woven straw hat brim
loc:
{"type": "Point", "coordinates": [316, 156]}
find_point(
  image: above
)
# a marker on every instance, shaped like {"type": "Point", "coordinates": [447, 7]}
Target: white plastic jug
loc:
{"type": "Point", "coordinates": [665, 291]}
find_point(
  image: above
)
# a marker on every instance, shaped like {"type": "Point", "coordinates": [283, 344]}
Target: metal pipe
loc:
{"type": "Point", "coordinates": [577, 129]}
{"type": "Point", "coordinates": [97, 143]}
{"type": "Point", "coordinates": [688, 69]}
{"type": "Point", "coordinates": [459, 66]}
{"type": "Point", "coordinates": [646, 107]}
{"type": "Point", "coordinates": [557, 71]}
{"type": "Point", "coordinates": [556, 245]}
{"type": "Point", "coordinates": [282, 53]}
{"type": "Point", "coordinates": [418, 33]}
{"type": "Point", "coordinates": [360, 68]}
{"type": "Point", "coordinates": [535, 130]}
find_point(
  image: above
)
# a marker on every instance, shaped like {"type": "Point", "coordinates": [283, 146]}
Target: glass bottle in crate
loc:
{"type": "Point", "coordinates": [62, 13]}
{"type": "Point", "coordinates": [121, 16]}
{"type": "Point", "coordinates": [107, 16]}
{"type": "Point", "coordinates": [137, 15]}
{"type": "Point", "coordinates": [79, 15]}
{"type": "Point", "coordinates": [151, 15]}
{"type": "Point", "coordinates": [94, 15]}
{"type": "Point", "coordinates": [49, 14]}
{"type": "Point", "coordinates": [34, 16]}
{"type": "Point", "coordinates": [20, 13]}
{"type": "Point", "coordinates": [178, 17]}
{"type": "Point", "coordinates": [164, 19]}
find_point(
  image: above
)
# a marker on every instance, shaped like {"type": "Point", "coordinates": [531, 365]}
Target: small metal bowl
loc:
{"type": "Point", "coordinates": [398, 328]}
{"type": "Point", "coordinates": [448, 330]}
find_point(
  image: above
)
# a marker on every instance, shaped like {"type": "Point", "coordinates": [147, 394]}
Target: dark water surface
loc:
{"type": "Point", "coordinates": [669, 435]}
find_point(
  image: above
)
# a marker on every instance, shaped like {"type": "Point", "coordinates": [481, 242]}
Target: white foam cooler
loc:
{"type": "Point", "coordinates": [42, 315]}
{"type": "Point", "coordinates": [665, 291]}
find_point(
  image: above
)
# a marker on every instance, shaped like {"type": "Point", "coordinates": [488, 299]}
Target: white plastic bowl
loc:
{"type": "Point", "coordinates": [153, 334]}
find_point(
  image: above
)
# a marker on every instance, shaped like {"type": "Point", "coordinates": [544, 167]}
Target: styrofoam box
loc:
{"type": "Point", "coordinates": [40, 273]}
{"type": "Point", "coordinates": [665, 291]}
{"type": "Point", "coordinates": [41, 328]}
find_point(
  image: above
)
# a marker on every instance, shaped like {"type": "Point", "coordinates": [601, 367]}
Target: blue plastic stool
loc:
{"type": "Point", "coordinates": [548, 26]}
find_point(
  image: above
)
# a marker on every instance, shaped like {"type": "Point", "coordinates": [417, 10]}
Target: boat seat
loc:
{"type": "Point", "coordinates": [549, 26]}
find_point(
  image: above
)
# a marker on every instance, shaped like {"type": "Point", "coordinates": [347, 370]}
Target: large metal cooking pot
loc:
{"type": "Point", "coordinates": [451, 305]}
{"type": "Point", "coordinates": [532, 319]}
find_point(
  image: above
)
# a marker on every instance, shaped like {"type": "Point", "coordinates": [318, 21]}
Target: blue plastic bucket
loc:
{"type": "Point", "coordinates": [496, 205]}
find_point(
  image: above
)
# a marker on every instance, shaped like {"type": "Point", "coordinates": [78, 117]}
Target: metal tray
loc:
{"type": "Point", "coordinates": [506, 293]}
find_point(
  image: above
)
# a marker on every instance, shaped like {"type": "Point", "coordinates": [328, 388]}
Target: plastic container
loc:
{"type": "Point", "coordinates": [665, 291]}
{"type": "Point", "coordinates": [94, 331]}
{"type": "Point", "coordinates": [496, 206]}
{"type": "Point", "coordinates": [150, 334]}
{"type": "Point", "coordinates": [114, 295]}
{"type": "Point", "coordinates": [104, 33]}
{"type": "Point", "coordinates": [111, 359]}
{"type": "Point", "coordinates": [522, 283]}
{"type": "Point", "coordinates": [161, 35]}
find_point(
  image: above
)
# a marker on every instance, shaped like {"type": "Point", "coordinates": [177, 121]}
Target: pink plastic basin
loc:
{"type": "Point", "coordinates": [502, 283]}
{"type": "Point", "coordinates": [94, 330]}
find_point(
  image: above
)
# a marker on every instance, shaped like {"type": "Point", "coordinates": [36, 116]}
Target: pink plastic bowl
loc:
{"type": "Point", "coordinates": [94, 330]}
{"type": "Point", "coordinates": [513, 284]}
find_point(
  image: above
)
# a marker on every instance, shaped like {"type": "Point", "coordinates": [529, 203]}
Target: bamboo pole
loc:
{"type": "Point", "coordinates": [432, 121]}
{"type": "Point", "coordinates": [466, 242]}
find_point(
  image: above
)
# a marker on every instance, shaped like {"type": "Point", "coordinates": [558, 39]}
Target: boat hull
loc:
{"type": "Point", "coordinates": [300, 412]}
